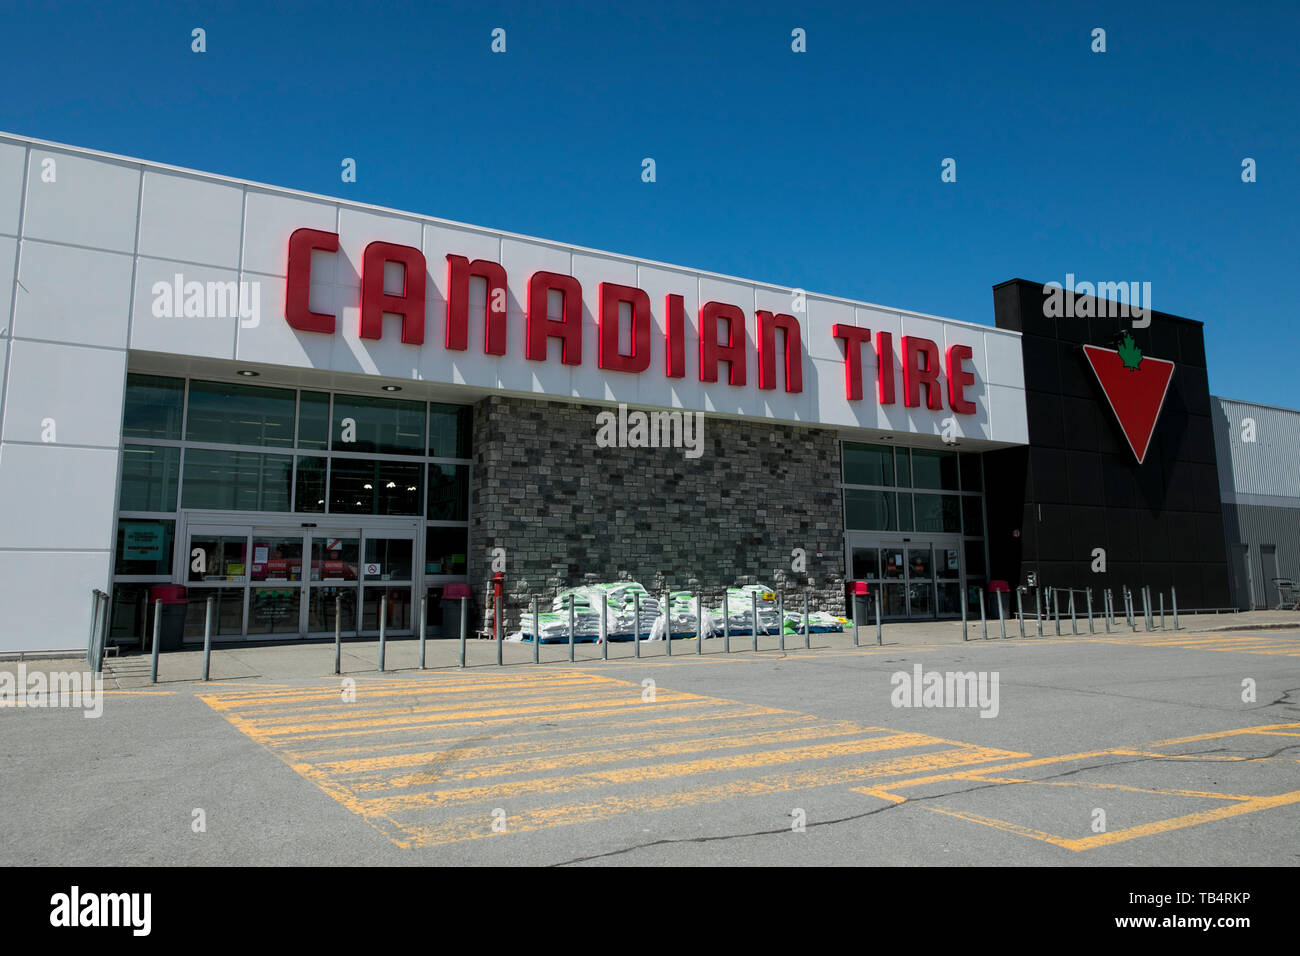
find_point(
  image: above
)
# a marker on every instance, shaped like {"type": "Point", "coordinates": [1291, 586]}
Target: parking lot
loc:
{"type": "Point", "coordinates": [1133, 748]}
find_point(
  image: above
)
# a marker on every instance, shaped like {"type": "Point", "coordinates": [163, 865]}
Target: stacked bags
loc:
{"type": "Point", "coordinates": [621, 620]}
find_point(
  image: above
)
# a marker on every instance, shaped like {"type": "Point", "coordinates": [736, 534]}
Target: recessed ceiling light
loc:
{"type": "Point", "coordinates": [392, 388]}
{"type": "Point", "coordinates": [249, 373]}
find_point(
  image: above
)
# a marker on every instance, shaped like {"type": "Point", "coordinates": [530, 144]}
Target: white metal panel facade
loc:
{"type": "Point", "coordinates": [88, 239]}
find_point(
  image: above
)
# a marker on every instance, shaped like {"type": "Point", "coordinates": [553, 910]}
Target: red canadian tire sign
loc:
{"type": "Point", "coordinates": [1135, 385]}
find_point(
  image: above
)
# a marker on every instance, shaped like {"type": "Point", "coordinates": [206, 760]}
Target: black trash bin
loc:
{"type": "Point", "coordinates": [175, 603]}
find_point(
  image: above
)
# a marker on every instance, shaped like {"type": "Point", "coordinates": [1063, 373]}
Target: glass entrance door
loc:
{"type": "Point", "coordinates": [275, 596]}
{"type": "Point", "coordinates": [915, 579]}
{"type": "Point", "coordinates": [277, 581]}
{"type": "Point", "coordinates": [333, 580]}
{"type": "Point", "coordinates": [387, 581]}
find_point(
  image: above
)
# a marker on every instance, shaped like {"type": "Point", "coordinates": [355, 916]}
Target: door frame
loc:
{"type": "Point", "coordinates": [936, 541]}
{"type": "Point", "coordinates": [230, 523]}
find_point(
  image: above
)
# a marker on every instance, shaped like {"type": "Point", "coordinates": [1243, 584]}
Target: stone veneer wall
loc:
{"type": "Point", "coordinates": [567, 511]}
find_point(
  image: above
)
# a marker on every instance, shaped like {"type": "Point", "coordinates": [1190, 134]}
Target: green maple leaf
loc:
{"type": "Point", "coordinates": [1129, 353]}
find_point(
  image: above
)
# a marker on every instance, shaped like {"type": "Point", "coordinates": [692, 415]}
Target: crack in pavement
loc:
{"type": "Point", "coordinates": [975, 788]}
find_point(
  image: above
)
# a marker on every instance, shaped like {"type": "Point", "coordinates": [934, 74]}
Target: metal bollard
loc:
{"type": "Point", "coordinates": [807, 637]}
{"type": "Point", "coordinates": [699, 624]}
{"type": "Point", "coordinates": [537, 634]}
{"type": "Point", "coordinates": [880, 637]}
{"type": "Point", "coordinates": [424, 625]}
{"type": "Point", "coordinates": [636, 623]}
{"type": "Point", "coordinates": [726, 625]}
{"type": "Point", "coordinates": [1056, 610]}
{"type": "Point", "coordinates": [1074, 621]}
{"type": "Point", "coordinates": [1106, 610]}
{"type": "Point", "coordinates": [1173, 598]}
{"type": "Point", "coordinates": [1091, 627]}
{"type": "Point", "coordinates": [383, 628]}
{"type": "Point", "coordinates": [572, 625]}
{"type": "Point", "coordinates": [1020, 610]}
{"type": "Point", "coordinates": [1038, 609]}
{"type": "Point", "coordinates": [94, 623]}
{"type": "Point", "coordinates": [668, 628]}
{"type": "Point", "coordinates": [1146, 607]}
{"type": "Point", "coordinates": [207, 639]}
{"type": "Point", "coordinates": [1002, 622]}
{"type": "Point", "coordinates": [1162, 610]}
{"type": "Point", "coordinates": [338, 632]}
{"type": "Point", "coordinates": [780, 619]}
{"type": "Point", "coordinates": [853, 616]}
{"type": "Point", "coordinates": [754, 605]}
{"type": "Point", "coordinates": [464, 626]}
{"type": "Point", "coordinates": [157, 639]}
{"type": "Point", "coordinates": [984, 622]}
{"type": "Point", "coordinates": [604, 626]}
{"type": "Point", "coordinates": [965, 628]}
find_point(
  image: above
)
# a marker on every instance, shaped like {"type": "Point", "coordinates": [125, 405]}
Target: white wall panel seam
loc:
{"type": "Point", "coordinates": [84, 248]}
{"type": "Point", "coordinates": [13, 293]}
{"type": "Point", "coordinates": [4, 549]}
{"type": "Point", "coordinates": [126, 371]}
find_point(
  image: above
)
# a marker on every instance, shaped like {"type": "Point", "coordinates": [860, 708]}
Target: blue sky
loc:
{"type": "Point", "coordinates": [819, 170]}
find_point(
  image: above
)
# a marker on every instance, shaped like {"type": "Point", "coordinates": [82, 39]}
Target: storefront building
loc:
{"type": "Point", "coordinates": [292, 404]}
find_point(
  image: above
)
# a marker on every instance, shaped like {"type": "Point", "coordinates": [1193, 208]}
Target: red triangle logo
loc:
{"type": "Point", "coordinates": [1136, 395]}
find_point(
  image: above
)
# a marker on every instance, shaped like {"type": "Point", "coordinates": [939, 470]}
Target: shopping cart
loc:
{"type": "Point", "coordinates": [1287, 594]}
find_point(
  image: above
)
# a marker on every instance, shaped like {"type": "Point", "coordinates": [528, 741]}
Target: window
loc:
{"type": "Point", "coordinates": [153, 407]}
{"type": "Point", "coordinates": [868, 464]}
{"type": "Point", "coordinates": [904, 468]}
{"type": "Point", "coordinates": [368, 487]}
{"type": "Point", "coordinates": [379, 426]}
{"type": "Point", "coordinates": [149, 477]}
{"type": "Point", "coordinates": [309, 487]}
{"type": "Point", "coordinates": [445, 550]}
{"type": "Point", "coordinates": [938, 513]}
{"type": "Point", "coordinates": [934, 469]}
{"type": "Point", "coordinates": [313, 420]}
{"type": "Point", "coordinates": [870, 510]}
{"type": "Point", "coordinates": [449, 430]}
{"type": "Point", "coordinates": [448, 493]}
{"type": "Point", "coordinates": [144, 546]}
{"type": "Point", "coordinates": [228, 413]}
{"type": "Point", "coordinates": [236, 480]}
{"type": "Point", "coordinates": [972, 515]}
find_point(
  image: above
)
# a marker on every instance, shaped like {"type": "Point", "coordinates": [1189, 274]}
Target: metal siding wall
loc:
{"type": "Point", "coordinates": [1259, 483]}
{"type": "Point", "coordinates": [1276, 526]}
{"type": "Point", "coordinates": [1270, 465]}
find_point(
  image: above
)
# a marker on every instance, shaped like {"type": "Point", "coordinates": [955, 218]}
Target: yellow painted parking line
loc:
{"type": "Point", "coordinates": [1237, 804]}
{"type": "Point", "coordinates": [1270, 645]}
{"type": "Point", "coordinates": [1220, 734]}
{"type": "Point", "coordinates": [404, 762]}
{"type": "Point", "coordinates": [537, 818]}
{"type": "Point", "coordinates": [569, 759]}
{"type": "Point", "coordinates": [538, 738]}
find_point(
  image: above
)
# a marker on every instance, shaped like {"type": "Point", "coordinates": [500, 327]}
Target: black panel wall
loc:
{"type": "Point", "coordinates": [1077, 487]}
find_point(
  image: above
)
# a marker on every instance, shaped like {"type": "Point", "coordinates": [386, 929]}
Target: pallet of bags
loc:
{"type": "Point", "coordinates": [740, 610]}
{"type": "Point", "coordinates": [681, 616]}
{"type": "Point", "coordinates": [819, 622]}
{"type": "Point", "coordinates": [622, 597]}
